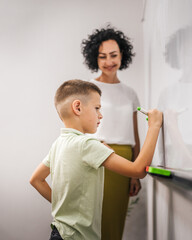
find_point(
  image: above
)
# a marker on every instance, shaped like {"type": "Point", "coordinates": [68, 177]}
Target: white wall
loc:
{"type": "Point", "coordinates": [40, 48]}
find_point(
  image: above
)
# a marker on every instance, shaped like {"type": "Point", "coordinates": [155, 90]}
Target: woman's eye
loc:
{"type": "Point", "coordinates": [113, 56]}
{"type": "Point", "coordinates": [101, 57]}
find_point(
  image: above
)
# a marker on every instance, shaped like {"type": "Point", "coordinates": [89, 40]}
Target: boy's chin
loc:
{"type": "Point", "coordinates": [92, 131]}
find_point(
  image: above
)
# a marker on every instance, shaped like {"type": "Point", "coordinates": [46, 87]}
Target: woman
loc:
{"type": "Point", "coordinates": [110, 50]}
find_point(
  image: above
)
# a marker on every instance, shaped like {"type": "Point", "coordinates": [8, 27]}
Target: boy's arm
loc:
{"type": "Point", "coordinates": [38, 181]}
{"type": "Point", "coordinates": [136, 169]}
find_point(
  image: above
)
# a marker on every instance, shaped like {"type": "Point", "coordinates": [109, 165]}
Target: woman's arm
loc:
{"type": "Point", "coordinates": [136, 148]}
{"type": "Point", "coordinates": [135, 184]}
{"type": "Point", "coordinates": [38, 181]}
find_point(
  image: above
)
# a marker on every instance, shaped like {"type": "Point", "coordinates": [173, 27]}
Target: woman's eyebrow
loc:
{"type": "Point", "coordinates": [109, 53]}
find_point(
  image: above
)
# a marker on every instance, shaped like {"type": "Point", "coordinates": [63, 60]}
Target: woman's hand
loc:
{"type": "Point", "coordinates": [135, 187]}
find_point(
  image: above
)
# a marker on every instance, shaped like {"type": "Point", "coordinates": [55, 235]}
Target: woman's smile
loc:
{"type": "Point", "coordinates": [110, 67]}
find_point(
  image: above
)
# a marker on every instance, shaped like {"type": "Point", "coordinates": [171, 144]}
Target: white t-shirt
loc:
{"type": "Point", "coordinates": [118, 102]}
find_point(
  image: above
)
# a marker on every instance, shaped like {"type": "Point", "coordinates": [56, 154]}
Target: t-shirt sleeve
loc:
{"type": "Point", "coordinates": [46, 160]}
{"type": "Point", "coordinates": [136, 102]}
{"type": "Point", "coordinates": [95, 153]}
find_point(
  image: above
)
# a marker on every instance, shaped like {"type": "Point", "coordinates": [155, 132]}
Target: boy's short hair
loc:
{"type": "Point", "coordinates": [75, 87]}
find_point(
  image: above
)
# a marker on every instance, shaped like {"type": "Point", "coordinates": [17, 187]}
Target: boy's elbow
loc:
{"type": "Point", "coordinates": [142, 175]}
{"type": "Point", "coordinates": [140, 172]}
{"type": "Point", "coordinates": [32, 181]}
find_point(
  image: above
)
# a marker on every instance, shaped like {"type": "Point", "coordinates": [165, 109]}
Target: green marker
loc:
{"type": "Point", "coordinates": [142, 110]}
{"type": "Point", "coordinates": [158, 171]}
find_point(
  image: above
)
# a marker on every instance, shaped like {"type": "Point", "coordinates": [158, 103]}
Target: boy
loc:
{"type": "Point", "coordinates": [76, 162]}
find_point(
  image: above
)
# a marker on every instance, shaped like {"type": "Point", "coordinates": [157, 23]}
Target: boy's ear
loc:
{"type": "Point", "coordinates": [76, 107]}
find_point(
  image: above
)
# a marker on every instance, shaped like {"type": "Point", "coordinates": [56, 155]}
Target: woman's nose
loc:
{"type": "Point", "coordinates": [108, 61]}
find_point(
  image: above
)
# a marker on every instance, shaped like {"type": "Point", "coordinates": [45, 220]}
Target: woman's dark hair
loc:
{"type": "Point", "coordinates": [90, 47]}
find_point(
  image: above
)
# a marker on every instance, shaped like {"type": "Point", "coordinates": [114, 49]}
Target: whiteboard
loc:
{"type": "Point", "coordinates": [175, 100]}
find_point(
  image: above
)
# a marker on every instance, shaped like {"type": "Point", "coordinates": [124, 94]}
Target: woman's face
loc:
{"type": "Point", "coordinates": [109, 57]}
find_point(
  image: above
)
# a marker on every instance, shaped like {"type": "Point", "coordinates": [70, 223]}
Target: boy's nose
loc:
{"type": "Point", "coordinates": [100, 116]}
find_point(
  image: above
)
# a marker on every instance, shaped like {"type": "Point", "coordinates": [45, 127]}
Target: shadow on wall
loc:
{"type": "Point", "coordinates": [175, 101]}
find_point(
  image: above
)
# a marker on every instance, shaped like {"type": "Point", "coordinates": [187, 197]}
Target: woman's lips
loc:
{"type": "Point", "coordinates": [110, 68]}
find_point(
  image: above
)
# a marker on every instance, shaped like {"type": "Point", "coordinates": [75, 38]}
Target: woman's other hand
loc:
{"type": "Point", "coordinates": [135, 187]}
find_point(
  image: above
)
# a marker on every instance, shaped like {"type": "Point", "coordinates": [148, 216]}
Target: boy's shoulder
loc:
{"type": "Point", "coordinates": [71, 140]}
{"type": "Point", "coordinates": [74, 136]}
{"type": "Point", "coordinates": [87, 139]}
{"type": "Point", "coordinates": [80, 146]}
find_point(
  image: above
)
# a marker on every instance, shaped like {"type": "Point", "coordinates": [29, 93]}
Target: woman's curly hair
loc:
{"type": "Point", "coordinates": [90, 47]}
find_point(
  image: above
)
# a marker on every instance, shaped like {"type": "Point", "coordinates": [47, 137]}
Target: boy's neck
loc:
{"type": "Point", "coordinates": [74, 126]}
